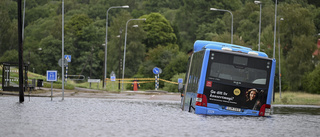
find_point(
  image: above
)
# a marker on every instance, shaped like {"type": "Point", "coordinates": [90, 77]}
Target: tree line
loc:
{"type": "Point", "coordinates": [163, 40]}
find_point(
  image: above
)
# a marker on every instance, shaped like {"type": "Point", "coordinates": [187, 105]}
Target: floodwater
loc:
{"type": "Point", "coordinates": [84, 117]}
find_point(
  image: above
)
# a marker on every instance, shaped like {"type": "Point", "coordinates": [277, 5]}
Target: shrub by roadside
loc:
{"type": "Point", "coordinates": [297, 98]}
{"type": "Point", "coordinates": [58, 86]}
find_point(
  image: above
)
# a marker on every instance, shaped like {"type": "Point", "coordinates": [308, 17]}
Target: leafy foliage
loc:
{"type": "Point", "coordinates": [311, 81]}
{"type": "Point", "coordinates": [9, 56]}
{"type": "Point", "coordinates": [163, 40]}
{"type": "Point", "coordinates": [173, 87]}
{"type": "Point", "coordinates": [159, 31]}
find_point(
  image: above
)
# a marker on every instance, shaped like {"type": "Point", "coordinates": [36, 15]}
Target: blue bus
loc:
{"type": "Point", "coordinates": [227, 79]}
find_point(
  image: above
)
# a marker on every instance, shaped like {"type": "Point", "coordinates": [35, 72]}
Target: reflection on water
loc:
{"type": "Point", "coordinates": [105, 117]}
{"type": "Point", "coordinates": [297, 109]}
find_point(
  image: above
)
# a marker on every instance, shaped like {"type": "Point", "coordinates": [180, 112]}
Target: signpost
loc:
{"type": "Point", "coordinates": [113, 76]}
{"type": "Point", "coordinates": [94, 81]}
{"type": "Point", "coordinates": [156, 71]}
{"type": "Point", "coordinates": [51, 76]}
{"type": "Point", "coordinates": [65, 62]}
{"type": "Point", "coordinates": [180, 85]}
{"type": "Point", "coordinates": [68, 58]}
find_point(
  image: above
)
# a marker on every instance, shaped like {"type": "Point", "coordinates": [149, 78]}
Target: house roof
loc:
{"type": "Point", "coordinates": [317, 51]}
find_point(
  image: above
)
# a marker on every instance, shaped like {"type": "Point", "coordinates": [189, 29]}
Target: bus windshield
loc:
{"type": "Point", "coordinates": [238, 70]}
{"type": "Point", "coordinates": [239, 74]}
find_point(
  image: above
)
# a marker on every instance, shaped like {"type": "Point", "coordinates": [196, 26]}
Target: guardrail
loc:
{"type": "Point", "coordinates": [80, 77]}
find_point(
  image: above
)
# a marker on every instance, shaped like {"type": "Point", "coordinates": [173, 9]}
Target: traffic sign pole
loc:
{"type": "Point", "coordinates": [156, 81]}
{"type": "Point", "coordinates": [66, 74]}
{"type": "Point", "coordinates": [51, 89]}
{"type": "Point", "coordinates": [52, 76]}
{"type": "Point", "coordinates": [157, 72]}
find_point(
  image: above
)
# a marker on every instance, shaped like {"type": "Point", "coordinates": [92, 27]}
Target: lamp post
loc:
{"type": "Point", "coordinates": [62, 56]}
{"type": "Point", "coordinates": [124, 49]}
{"type": "Point", "coordinates": [105, 49]}
{"type": "Point", "coordinates": [281, 19]}
{"type": "Point", "coordinates": [214, 9]}
{"type": "Point", "coordinates": [275, 29]}
{"type": "Point", "coordinates": [260, 3]}
{"type": "Point", "coordinates": [120, 31]}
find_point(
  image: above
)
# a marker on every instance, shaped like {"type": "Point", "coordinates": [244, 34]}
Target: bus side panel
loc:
{"type": "Point", "coordinates": [193, 81]}
{"type": "Point", "coordinates": [270, 92]}
{"type": "Point", "coordinates": [204, 71]}
{"type": "Point", "coordinates": [203, 110]}
{"type": "Point", "coordinates": [189, 102]}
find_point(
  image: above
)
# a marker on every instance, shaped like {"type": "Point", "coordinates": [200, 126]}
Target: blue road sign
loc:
{"type": "Point", "coordinates": [180, 80]}
{"type": "Point", "coordinates": [113, 78]}
{"type": "Point", "coordinates": [52, 75]}
{"type": "Point", "coordinates": [156, 70]}
{"type": "Point", "coordinates": [68, 57]}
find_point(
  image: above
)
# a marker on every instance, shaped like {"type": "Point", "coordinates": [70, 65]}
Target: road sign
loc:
{"type": "Point", "coordinates": [52, 75]}
{"type": "Point", "coordinates": [65, 62]}
{"type": "Point", "coordinates": [94, 80]}
{"type": "Point", "coordinates": [180, 80]}
{"type": "Point", "coordinates": [68, 57]}
{"type": "Point", "coordinates": [113, 78]}
{"type": "Point", "coordinates": [157, 70]}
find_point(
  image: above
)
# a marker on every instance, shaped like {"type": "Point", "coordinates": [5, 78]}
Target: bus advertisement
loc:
{"type": "Point", "coordinates": [227, 79]}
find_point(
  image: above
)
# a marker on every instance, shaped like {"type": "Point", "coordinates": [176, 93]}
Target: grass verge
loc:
{"type": "Point", "coordinates": [297, 98]}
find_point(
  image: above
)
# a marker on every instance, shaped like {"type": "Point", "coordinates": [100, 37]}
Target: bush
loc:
{"type": "Point", "coordinates": [58, 86]}
{"type": "Point", "coordinates": [143, 86]}
{"type": "Point", "coordinates": [173, 87]}
{"type": "Point", "coordinates": [311, 81]}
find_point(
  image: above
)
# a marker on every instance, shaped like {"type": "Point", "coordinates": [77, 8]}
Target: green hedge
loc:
{"type": "Point", "coordinates": [58, 85]}
{"type": "Point", "coordinates": [311, 82]}
{"type": "Point", "coordinates": [173, 87]}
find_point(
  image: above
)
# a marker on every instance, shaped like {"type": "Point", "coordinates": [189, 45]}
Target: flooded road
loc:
{"type": "Point", "coordinates": [126, 117]}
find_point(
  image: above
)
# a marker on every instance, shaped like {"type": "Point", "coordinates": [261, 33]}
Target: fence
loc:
{"type": "Point", "coordinates": [141, 80]}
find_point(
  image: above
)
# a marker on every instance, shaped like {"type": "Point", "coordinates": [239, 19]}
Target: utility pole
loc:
{"type": "Point", "coordinates": [120, 62]}
{"type": "Point", "coordinates": [21, 94]}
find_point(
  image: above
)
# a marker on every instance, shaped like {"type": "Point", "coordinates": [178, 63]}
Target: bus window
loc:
{"type": "Point", "coordinates": [231, 72]}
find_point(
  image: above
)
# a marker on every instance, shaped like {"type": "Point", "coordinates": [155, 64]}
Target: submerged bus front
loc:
{"type": "Point", "coordinates": [235, 84]}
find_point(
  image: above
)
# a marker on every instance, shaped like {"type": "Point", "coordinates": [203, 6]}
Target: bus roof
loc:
{"type": "Point", "coordinates": [202, 44]}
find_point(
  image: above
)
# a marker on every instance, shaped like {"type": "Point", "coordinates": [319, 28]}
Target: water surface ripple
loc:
{"type": "Point", "coordinates": [83, 117]}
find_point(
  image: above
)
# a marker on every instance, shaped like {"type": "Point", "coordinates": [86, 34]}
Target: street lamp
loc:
{"type": "Point", "coordinates": [275, 29]}
{"type": "Point", "coordinates": [124, 49]}
{"type": "Point", "coordinates": [105, 51]}
{"type": "Point", "coordinates": [214, 9]}
{"type": "Point", "coordinates": [260, 3]}
{"type": "Point", "coordinates": [281, 19]}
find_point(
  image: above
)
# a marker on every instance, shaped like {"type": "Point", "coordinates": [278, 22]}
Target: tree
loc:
{"type": "Point", "coordinates": [298, 21]}
{"type": "Point", "coordinates": [311, 81]}
{"type": "Point", "coordinates": [168, 58]}
{"type": "Point", "coordinates": [135, 49]}
{"type": "Point", "coordinates": [159, 31]}
{"type": "Point", "coordinates": [8, 26]}
{"type": "Point", "coordinates": [77, 23]}
{"type": "Point", "coordinates": [226, 36]}
{"type": "Point", "coordinates": [51, 53]}
{"type": "Point", "coordinates": [10, 56]}
{"type": "Point", "coordinates": [299, 60]}
{"type": "Point", "coordinates": [177, 65]}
